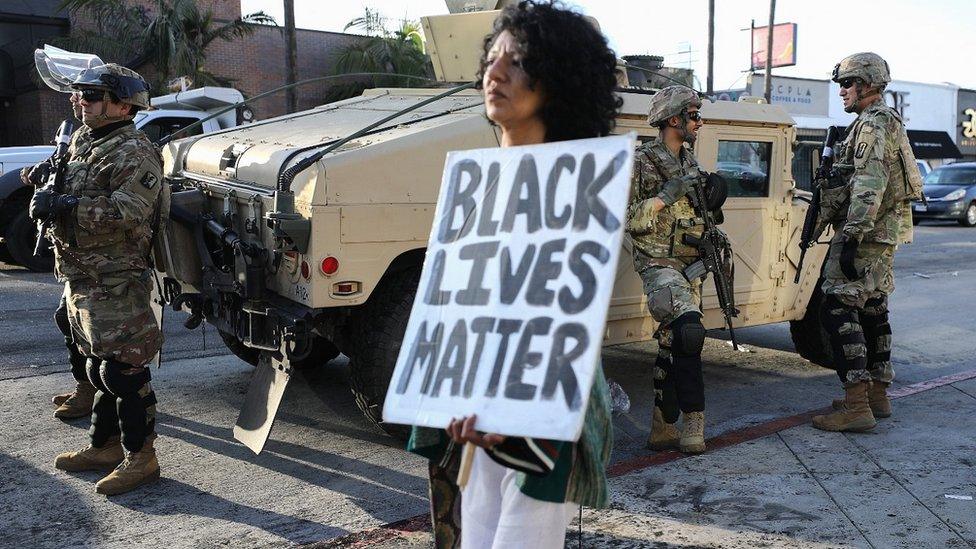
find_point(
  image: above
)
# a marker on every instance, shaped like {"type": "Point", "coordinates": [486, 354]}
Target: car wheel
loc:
{"type": "Point", "coordinates": [969, 218]}
{"type": "Point", "coordinates": [21, 237]}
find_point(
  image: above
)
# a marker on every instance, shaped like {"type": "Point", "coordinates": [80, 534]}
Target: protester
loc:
{"type": "Point", "coordinates": [539, 87]}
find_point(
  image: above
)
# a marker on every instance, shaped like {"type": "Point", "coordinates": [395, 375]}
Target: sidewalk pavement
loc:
{"type": "Point", "coordinates": [911, 482]}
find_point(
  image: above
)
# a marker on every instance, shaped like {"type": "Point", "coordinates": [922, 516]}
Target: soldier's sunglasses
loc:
{"type": "Point", "coordinates": [847, 82]}
{"type": "Point", "coordinates": [695, 116]}
{"type": "Point", "coordinates": [92, 95]}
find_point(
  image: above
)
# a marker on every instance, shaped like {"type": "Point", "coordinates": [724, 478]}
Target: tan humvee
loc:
{"type": "Point", "coordinates": [289, 279]}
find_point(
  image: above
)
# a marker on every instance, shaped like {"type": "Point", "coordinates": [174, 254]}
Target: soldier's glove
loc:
{"type": "Point", "coordinates": [847, 255]}
{"type": "Point", "coordinates": [36, 175]}
{"type": "Point", "coordinates": [46, 203]}
{"type": "Point", "coordinates": [674, 189]}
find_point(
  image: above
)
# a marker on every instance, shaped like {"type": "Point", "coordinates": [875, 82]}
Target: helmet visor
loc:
{"type": "Point", "coordinates": [124, 87]}
{"type": "Point", "coordinates": [59, 68]}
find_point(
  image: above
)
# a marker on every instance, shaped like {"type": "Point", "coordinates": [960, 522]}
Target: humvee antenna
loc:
{"type": "Point", "coordinates": [200, 122]}
{"type": "Point", "coordinates": [287, 176]}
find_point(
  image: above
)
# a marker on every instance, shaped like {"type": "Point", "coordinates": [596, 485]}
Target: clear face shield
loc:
{"type": "Point", "coordinates": [59, 68]}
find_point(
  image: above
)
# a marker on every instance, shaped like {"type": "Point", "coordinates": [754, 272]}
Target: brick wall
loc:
{"type": "Point", "coordinates": [256, 63]}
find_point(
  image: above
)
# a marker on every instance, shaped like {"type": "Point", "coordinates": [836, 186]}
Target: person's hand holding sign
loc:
{"type": "Point", "coordinates": [462, 431]}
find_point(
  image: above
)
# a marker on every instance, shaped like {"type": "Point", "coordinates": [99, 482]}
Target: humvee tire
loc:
{"type": "Point", "coordinates": [323, 351]}
{"type": "Point", "coordinates": [809, 337]}
{"type": "Point", "coordinates": [378, 334]}
{"type": "Point", "coordinates": [21, 236]}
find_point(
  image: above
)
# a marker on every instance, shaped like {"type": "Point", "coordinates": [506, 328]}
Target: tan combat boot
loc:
{"type": "Point", "coordinates": [77, 404]}
{"type": "Point", "coordinates": [877, 399]}
{"type": "Point", "coordinates": [91, 458]}
{"type": "Point", "coordinates": [137, 469]}
{"type": "Point", "coordinates": [664, 435]}
{"type": "Point", "coordinates": [693, 433]}
{"type": "Point", "coordinates": [854, 415]}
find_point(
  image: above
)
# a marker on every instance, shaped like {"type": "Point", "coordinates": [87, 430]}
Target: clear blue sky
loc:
{"type": "Point", "coordinates": [932, 41]}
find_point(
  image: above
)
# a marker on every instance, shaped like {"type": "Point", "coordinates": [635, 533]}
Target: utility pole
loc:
{"type": "Point", "coordinates": [291, 54]}
{"type": "Point", "coordinates": [709, 88]}
{"type": "Point", "coordinates": [769, 51]}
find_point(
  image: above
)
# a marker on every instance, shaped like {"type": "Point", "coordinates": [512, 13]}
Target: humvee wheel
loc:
{"type": "Point", "coordinates": [323, 351]}
{"type": "Point", "coordinates": [379, 333]}
{"type": "Point", "coordinates": [809, 337]}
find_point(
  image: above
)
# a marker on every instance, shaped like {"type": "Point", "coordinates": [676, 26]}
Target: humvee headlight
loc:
{"type": "Point", "coordinates": [329, 266]}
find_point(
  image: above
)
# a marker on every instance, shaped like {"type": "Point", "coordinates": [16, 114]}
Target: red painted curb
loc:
{"type": "Point", "coordinates": [420, 523]}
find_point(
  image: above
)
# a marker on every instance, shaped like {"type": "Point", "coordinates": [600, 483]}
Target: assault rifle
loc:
{"type": "Point", "coordinates": [56, 183]}
{"type": "Point", "coordinates": [820, 179]}
{"type": "Point", "coordinates": [714, 256]}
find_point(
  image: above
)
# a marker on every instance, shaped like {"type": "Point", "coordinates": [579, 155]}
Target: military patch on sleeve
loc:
{"type": "Point", "coordinates": [149, 180]}
{"type": "Point", "coordinates": [861, 148]}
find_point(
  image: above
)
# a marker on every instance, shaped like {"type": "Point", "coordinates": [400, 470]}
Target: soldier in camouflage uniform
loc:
{"type": "Point", "coordinates": [658, 215]}
{"type": "Point", "coordinates": [870, 213]}
{"type": "Point", "coordinates": [77, 403]}
{"type": "Point", "coordinates": [102, 229]}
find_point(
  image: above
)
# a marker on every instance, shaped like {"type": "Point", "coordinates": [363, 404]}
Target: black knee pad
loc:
{"type": "Point", "coordinates": [877, 330]}
{"type": "Point", "coordinates": [688, 335]}
{"type": "Point", "coordinates": [123, 380]}
{"type": "Point", "coordinates": [61, 320]}
{"type": "Point", "coordinates": [79, 363]}
{"type": "Point", "coordinates": [843, 325]}
{"type": "Point", "coordinates": [94, 368]}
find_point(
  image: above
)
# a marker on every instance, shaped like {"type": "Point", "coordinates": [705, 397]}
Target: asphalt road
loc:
{"type": "Point", "coordinates": [326, 472]}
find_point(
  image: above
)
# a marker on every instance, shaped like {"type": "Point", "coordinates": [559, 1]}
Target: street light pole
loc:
{"type": "Point", "coordinates": [769, 51]}
{"type": "Point", "coordinates": [711, 46]}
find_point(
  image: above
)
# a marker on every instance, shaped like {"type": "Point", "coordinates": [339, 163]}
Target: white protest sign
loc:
{"type": "Point", "coordinates": [509, 317]}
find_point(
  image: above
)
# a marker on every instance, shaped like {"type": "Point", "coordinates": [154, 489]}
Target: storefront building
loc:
{"type": "Point", "coordinates": [930, 113]}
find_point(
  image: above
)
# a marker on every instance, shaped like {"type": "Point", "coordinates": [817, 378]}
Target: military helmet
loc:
{"type": "Point", "coordinates": [124, 82]}
{"type": "Point", "coordinates": [867, 66]}
{"type": "Point", "coordinates": [671, 101]}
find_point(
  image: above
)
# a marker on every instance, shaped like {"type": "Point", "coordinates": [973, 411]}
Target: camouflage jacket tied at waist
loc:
{"type": "Point", "coordinates": [117, 179]}
{"type": "Point", "coordinates": [658, 236]}
{"type": "Point", "coordinates": [875, 160]}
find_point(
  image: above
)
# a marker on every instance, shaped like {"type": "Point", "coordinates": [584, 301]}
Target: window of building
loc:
{"type": "Point", "coordinates": [745, 165]}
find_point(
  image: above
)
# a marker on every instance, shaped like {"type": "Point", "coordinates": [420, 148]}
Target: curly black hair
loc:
{"type": "Point", "coordinates": [570, 59]}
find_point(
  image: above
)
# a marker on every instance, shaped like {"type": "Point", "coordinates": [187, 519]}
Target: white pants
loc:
{"type": "Point", "coordinates": [496, 515]}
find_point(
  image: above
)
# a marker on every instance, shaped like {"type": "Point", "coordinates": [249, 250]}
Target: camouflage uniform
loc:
{"type": "Point", "coordinates": [101, 250]}
{"type": "Point", "coordinates": [102, 254]}
{"type": "Point", "coordinates": [660, 256]}
{"type": "Point", "coordinates": [873, 209]}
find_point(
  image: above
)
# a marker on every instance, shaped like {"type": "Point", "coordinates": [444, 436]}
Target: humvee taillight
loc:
{"type": "Point", "coordinates": [345, 288]}
{"type": "Point", "coordinates": [329, 266]}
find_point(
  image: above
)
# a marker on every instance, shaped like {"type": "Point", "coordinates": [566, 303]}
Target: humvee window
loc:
{"type": "Point", "coordinates": [163, 126]}
{"type": "Point", "coordinates": [745, 164]}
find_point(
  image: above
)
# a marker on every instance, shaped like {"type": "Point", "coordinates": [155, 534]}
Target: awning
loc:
{"type": "Point", "coordinates": [932, 144]}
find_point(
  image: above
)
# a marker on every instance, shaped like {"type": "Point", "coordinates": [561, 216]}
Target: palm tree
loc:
{"type": "Point", "coordinates": [399, 51]}
{"type": "Point", "coordinates": [173, 36]}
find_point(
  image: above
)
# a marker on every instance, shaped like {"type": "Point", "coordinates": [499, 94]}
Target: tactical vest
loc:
{"type": "Point", "coordinates": [904, 180]}
{"type": "Point", "coordinates": [87, 176]}
{"type": "Point", "coordinates": [679, 218]}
